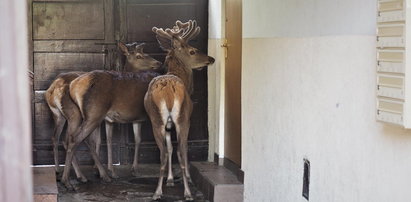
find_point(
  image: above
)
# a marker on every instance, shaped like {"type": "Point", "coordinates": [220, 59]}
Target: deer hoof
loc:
{"type": "Point", "coordinates": [68, 186]}
{"type": "Point", "coordinates": [114, 175]}
{"type": "Point", "coordinates": [58, 170]}
{"type": "Point", "coordinates": [156, 196]}
{"type": "Point", "coordinates": [106, 178]}
{"type": "Point", "coordinates": [189, 198]}
{"type": "Point", "coordinates": [170, 183]}
{"type": "Point", "coordinates": [134, 173]}
{"type": "Point", "coordinates": [59, 177]}
{"type": "Point", "coordinates": [82, 179]}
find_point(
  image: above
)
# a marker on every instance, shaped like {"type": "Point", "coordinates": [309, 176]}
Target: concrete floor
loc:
{"type": "Point", "coordinates": [126, 187]}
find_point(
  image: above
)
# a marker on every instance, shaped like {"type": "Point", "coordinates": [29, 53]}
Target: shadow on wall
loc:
{"type": "Point", "coordinates": [395, 133]}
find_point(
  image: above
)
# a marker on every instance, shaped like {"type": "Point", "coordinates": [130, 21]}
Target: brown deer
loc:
{"type": "Point", "coordinates": [61, 105]}
{"type": "Point", "coordinates": [105, 95]}
{"type": "Point", "coordinates": [168, 102]}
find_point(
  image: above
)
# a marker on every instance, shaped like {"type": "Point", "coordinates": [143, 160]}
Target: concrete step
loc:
{"type": "Point", "coordinates": [216, 182]}
{"type": "Point", "coordinates": [44, 184]}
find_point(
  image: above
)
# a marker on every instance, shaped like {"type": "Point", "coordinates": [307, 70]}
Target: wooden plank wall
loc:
{"type": "Point", "coordinates": [137, 19]}
{"type": "Point", "coordinates": [67, 35]}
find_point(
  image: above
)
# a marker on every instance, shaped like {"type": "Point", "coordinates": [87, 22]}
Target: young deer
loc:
{"type": "Point", "coordinates": [117, 97]}
{"type": "Point", "coordinates": [61, 105]}
{"type": "Point", "coordinates": [168, 102]}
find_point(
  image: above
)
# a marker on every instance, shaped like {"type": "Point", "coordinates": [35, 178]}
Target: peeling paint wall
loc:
{"type": "Point", "coordinates": [309, 92]}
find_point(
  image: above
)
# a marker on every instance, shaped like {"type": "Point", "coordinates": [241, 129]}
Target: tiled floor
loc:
{"type": "Point", "coordinates": [127, 187]}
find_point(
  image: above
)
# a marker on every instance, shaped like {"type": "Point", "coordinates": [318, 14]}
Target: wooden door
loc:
{"type": "Point", "coordinates": [232, 138]}
{"type": "Point", "coordinates": [80, 35]}
{"type": "Point", "coordinates": [67, 35]}
{"type": "Point", "coordinates": [137, 18]}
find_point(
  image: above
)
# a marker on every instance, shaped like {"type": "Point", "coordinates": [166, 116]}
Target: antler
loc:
{"type": "Point", "coordinates": [192, 30]}
{"type": "Point", "coordinates": [182, 31]}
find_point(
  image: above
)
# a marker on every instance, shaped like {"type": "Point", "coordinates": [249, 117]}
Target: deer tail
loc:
{"type": "Point", "coordinates": [169, 124]}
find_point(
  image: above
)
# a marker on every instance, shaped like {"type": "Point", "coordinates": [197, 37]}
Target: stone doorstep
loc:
{"type": "Point", "coordinates": [216, 182]}
{"type": "Point", "coordinates": [44, 184]}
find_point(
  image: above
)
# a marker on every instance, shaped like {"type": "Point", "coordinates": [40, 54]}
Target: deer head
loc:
{"type": "Point", "coordinates": [175, 42]}
{"type": "Point", "coordinates": [136, 58]}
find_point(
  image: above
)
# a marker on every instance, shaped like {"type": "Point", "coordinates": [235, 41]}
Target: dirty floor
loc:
{"type": "Point", "coordinates": [127, 187]}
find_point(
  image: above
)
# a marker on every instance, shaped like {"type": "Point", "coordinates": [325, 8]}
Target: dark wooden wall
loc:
{"type": "Point", "coordinates": [73, 35]}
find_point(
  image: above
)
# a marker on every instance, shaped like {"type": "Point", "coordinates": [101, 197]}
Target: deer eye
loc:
{"type": "Point", "coordinates": [139, 57]}
{"type": "Point", "coordinates": [192, 52]}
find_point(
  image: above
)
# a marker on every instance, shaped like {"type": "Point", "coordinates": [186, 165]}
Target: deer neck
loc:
{"type": "Point", "coordinates": [177, 68]}
{"type": "Point", "coordinates": [129, 68]}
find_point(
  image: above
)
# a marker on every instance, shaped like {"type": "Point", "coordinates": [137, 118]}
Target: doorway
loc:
{"type": "Point", "coordinates": [81, 35]}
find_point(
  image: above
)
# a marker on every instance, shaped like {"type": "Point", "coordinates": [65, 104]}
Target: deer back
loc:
{"type": "Point", "coordinates": [119, 95]}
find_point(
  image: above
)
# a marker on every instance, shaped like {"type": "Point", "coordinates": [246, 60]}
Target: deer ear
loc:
{"type": "Point", "coordinates": [139, 48]}
{"type": "Point", "coordinates": [123, 48]}
{"type": "Point", "coordinates": [165, 44]}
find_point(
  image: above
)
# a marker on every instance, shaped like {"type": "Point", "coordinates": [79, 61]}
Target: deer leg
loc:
{"type": "Point", "coordinates": [186, 164]}
{"type": "Point", "coordinates": [137, 139]}
{"type": "Point", "coordinates": [95, 139]}
{"type": "Point", "coordinates": [182, 136]}
{"type": "Point", "coordinates": [76, 166]}
{"type": "Point", "coordinates": [109, 133]}
{"type": "Point", "coordinates": [87, 128]}
{"type": "Point", "coordinates": [73, 141]}
{"type": "Point", "coordinates": [59, 122]}
{"type": "Point", "coordinates": [170, 180]}
{"type": "Point", "coordinates": [73, 127]}
{"type": "Point", "coordinates": [103, 174]}
{"type": "Point", "coordinates": [163, 158]}
{"type": "Point", "coordinates": [71, 146]}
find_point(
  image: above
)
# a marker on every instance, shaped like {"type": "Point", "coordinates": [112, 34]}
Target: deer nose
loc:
{"type": "Point", "coordinates": [211, 60]}
{"type": "Point", "coordinates": [157, 64]}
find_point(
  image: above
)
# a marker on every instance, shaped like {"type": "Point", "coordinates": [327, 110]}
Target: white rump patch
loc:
{"type": "Point", "coordinates": [78, 100]}
{"type": "Point", "coordinates": [55, 111]}
{"type": "Point", "coordinates": [175, 112]}
{"type": "Point", "coordinates": [164, 111]}
{"type": "Point", "coordinates": [57, 101]}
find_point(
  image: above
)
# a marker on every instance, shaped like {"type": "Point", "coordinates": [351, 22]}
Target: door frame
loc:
{"type": "Point", "coordinates": [216, 87]}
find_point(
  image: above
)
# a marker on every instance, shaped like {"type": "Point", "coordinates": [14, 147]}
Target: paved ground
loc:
{"type": "Point", "coordinates": [127, 187]}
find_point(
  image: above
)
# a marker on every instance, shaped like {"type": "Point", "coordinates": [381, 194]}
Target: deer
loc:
{"type": "Point", "coordinates": [167, 101]}
{"type": "Point", "coordinates": [114, 97]}
{"type": "Point", "coordinates": [61, 105]}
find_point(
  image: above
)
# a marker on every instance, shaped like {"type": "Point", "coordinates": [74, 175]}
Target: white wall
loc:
{"type": "Point", "coordinates": [302, 18]}
{"type": "Point", "coordinates": [316, 100]}
{"type": "Point", "coordinates": [16, 180]}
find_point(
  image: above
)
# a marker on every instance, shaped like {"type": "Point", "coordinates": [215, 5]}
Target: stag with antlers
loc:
{"type": "Point", "coordinates": [168, 101]}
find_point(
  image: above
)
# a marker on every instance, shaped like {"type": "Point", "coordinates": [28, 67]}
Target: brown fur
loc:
{"type": "Point", "coordinates": [58, 99]}
{"type": "Point", "coordinates": [168, 102]}
{"type": "Point", "coordinates": [113, 96]}
{"type": "Point", "coordinates": [62, 106]}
